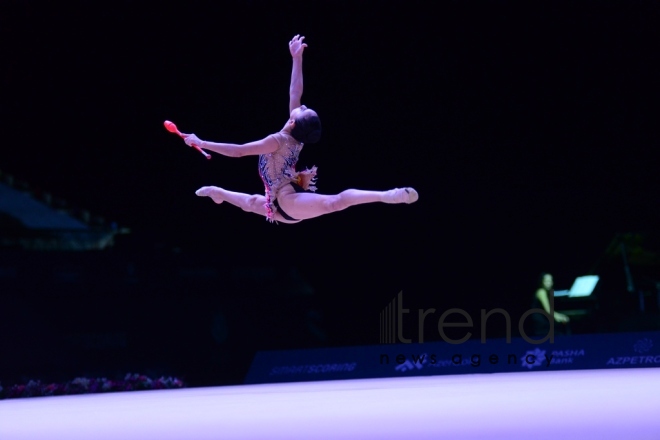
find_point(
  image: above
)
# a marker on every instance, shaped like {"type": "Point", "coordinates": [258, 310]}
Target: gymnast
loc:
{"type": "Point", "coordinates": [290, 195]}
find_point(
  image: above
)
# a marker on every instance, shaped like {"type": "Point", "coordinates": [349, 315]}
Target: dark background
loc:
{"type": "Point", "coordinates": [528, 129]}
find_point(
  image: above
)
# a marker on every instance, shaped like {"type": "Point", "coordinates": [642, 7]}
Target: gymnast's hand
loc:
{"type": "Point", "coordinates": [192, 139]}
{"type": "Point", "coordinates": [296, 46]}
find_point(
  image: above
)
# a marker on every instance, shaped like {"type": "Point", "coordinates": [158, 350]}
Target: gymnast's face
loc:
{"type": "Point", "coordinates": [547, 282]}
{"type": "Point", "coordinates": [302, 112]}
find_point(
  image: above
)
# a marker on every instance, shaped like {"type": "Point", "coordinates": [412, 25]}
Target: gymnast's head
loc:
{"type": "Point", "coordinates": [305, 125]}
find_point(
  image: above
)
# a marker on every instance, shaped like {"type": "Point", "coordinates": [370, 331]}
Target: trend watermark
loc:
{"type": "Point", "coordinates": [391, 323]}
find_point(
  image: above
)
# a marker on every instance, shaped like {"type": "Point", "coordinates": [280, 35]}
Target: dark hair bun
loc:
{"type": "Point", "coordinates": [307, 130]}
{"type": "Point", "coordinates": [312, 137]}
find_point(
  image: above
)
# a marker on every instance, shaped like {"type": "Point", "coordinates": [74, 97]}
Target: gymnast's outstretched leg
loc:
{"type": "Point", "coordinates": [250, 203]}
{"type": "Point", "coordinates": [306, 205]}
{"type": "Point", "coordinates": [254, 203]}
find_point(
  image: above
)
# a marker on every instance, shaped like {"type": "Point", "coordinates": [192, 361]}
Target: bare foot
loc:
{"type": "Point", "coordinates": [401, 195]}
{"type": "Point", "coordinates": [213, 192]}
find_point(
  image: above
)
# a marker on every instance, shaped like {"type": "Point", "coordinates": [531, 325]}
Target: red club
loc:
{"type": "Point", "coordinates": [169, 126]}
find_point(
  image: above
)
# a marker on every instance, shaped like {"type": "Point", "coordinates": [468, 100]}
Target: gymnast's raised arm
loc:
{"type": "Point", "coordinates": [296, 47]}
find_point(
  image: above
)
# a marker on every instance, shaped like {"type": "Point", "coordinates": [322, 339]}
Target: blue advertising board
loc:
{"type": "Point", "coordinates": [577, 352]}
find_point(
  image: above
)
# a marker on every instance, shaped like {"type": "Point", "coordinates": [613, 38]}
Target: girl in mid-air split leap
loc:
{"type": "Point", "coordinates": [290, 195]}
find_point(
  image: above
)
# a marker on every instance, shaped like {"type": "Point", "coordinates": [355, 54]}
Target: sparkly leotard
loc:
{"type": "Point", "coordinates": [278, 169]}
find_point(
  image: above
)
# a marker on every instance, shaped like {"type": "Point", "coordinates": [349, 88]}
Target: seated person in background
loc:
{"type": "Point", "coordinates": [543, 296]}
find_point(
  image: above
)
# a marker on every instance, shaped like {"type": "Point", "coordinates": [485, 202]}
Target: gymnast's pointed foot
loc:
{"type": "Point", "coordinates": [213, 192]}
{"type": "Point", "coordinates": [401, 195]}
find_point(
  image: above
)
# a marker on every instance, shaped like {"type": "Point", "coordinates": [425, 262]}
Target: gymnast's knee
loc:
{"type": "Point", "coordinates": [252, 203]}
{"type": "Point", "coordinates": [336, 203]}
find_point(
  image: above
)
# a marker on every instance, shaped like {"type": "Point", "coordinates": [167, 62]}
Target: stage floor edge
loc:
{"type": "Point", "coordinates": [603, 404]}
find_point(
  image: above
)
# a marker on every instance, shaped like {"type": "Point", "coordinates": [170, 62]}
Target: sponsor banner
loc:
{"type": "Point", "coordinates": [594, 351]}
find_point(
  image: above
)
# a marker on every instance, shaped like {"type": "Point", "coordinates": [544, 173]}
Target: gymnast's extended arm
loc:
{"type": "Point", "coordinates": [296, 47]}
{"type": "Point", "coordinates": [263, 146]}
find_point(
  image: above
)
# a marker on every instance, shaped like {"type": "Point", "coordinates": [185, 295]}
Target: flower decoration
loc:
{"type": "Point", "coordinates": [83, 385]}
